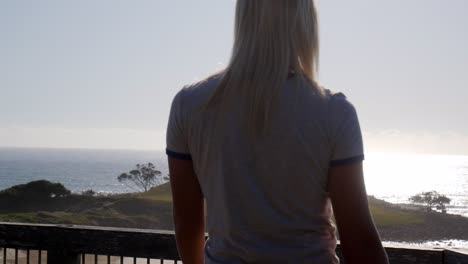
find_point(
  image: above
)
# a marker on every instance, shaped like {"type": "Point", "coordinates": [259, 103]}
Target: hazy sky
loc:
{"type": "Point", "coordinates": [102, 74]}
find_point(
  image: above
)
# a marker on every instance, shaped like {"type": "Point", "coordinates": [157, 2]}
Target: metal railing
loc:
{"type": "Point", "coordinates": [19, 256]}
{"type": "Point", "coordinates": [69, 244]}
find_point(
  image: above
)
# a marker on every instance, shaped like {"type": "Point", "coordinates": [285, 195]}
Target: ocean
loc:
{"type": "Point", "coordinates": [392, 177]}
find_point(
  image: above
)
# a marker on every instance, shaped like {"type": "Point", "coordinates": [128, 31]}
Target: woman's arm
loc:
{"type": "Point", "coordinates": [188, 211]}
{"type": "Point", "coordinates": [360, 241]}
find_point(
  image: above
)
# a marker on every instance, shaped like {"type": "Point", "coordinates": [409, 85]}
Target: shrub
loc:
{"type": "Point", "coordinates": [36, 190]}
{"type": "Point", "coordinates": [88, 193]}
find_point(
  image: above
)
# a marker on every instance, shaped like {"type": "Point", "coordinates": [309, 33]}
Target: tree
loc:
{"type": "Point", "coordinates": [430, 200]}
{"type": "Point", "coordinates": [142, 178]}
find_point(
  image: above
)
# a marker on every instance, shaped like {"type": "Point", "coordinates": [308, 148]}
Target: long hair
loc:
{"type": "Point", "coordinates": [272, 38]}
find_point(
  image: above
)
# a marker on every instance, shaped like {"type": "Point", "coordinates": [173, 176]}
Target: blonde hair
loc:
{"type": "Point", "coordinates": [271, 39]}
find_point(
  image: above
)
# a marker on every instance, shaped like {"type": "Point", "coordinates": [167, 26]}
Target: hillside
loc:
{"type": "Point", "coordinates": [122, 210]}
{"type": "Point", "coordinates": [153, 210]}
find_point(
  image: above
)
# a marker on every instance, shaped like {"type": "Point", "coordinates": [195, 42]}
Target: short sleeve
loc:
{"type": "Point", "coordinates": [176, 134]}
{"type": "Point", "coordinates": [346, 135]}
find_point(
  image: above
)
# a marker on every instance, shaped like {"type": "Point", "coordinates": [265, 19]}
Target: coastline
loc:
{"type": "Point", "coordinates": [81, 170]}
{"type": "Point", "coordinates": [153, 210]}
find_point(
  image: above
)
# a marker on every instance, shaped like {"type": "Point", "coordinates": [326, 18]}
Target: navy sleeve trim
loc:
{"type": "Point", "coordinates": [348, 161]}
{"type": "Point", "coordinates": [176, 155]}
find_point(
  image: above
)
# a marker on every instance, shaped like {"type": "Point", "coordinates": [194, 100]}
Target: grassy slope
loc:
{"type": "Point", "coordinates": [160, 193]}
{"type": "Point", "coordinates": [149, 210]}
{"type": "Point", "coordinates": [386, 214]}
{"type": "Point", "coordinates": [153, 210]}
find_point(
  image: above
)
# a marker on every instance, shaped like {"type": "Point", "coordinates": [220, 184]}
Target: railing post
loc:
{"type": "Point", "coordinates": [454, 257]}
{"type": "Point", "coordinates": [62, 257]}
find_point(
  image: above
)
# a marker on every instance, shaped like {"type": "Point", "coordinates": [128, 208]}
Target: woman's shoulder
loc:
{"type": "Point", "coordinates": [203, 85]}
{"type": "Point", "coordinates": [337, 103]}
{"type": "Point", "coordinates": [199, 90]}
{"type": "Point", "coordinates": [341, 111]}
{"type": "Point", "coordinates": [324, 92]}
{"type": "Point", "coordinates": [331, 94]}
{"type": "Point", "coordinates": [336, 98]}
{"type": "Point", "coordinates": [195, 94]}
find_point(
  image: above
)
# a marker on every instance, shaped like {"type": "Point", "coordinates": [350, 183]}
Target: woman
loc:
{"type": "Point", "coordinates": [269, 151]}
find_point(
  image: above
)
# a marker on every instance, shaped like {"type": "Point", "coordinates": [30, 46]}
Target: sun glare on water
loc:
{"type": "Point", "coordinates": [396, 177]}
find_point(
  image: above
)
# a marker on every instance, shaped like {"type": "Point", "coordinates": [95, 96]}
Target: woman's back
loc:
{"type": "Point", "coordinates": [267, 200]}
{"type": "Point", "coordinates": [269, 153]}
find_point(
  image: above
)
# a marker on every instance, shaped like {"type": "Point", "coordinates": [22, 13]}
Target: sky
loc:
{"type": "Point", "coordinates": [102, 74]}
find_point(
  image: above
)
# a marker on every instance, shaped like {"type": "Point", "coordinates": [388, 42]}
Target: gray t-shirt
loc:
{"type": "Point", "coordinates": [267, 200]}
